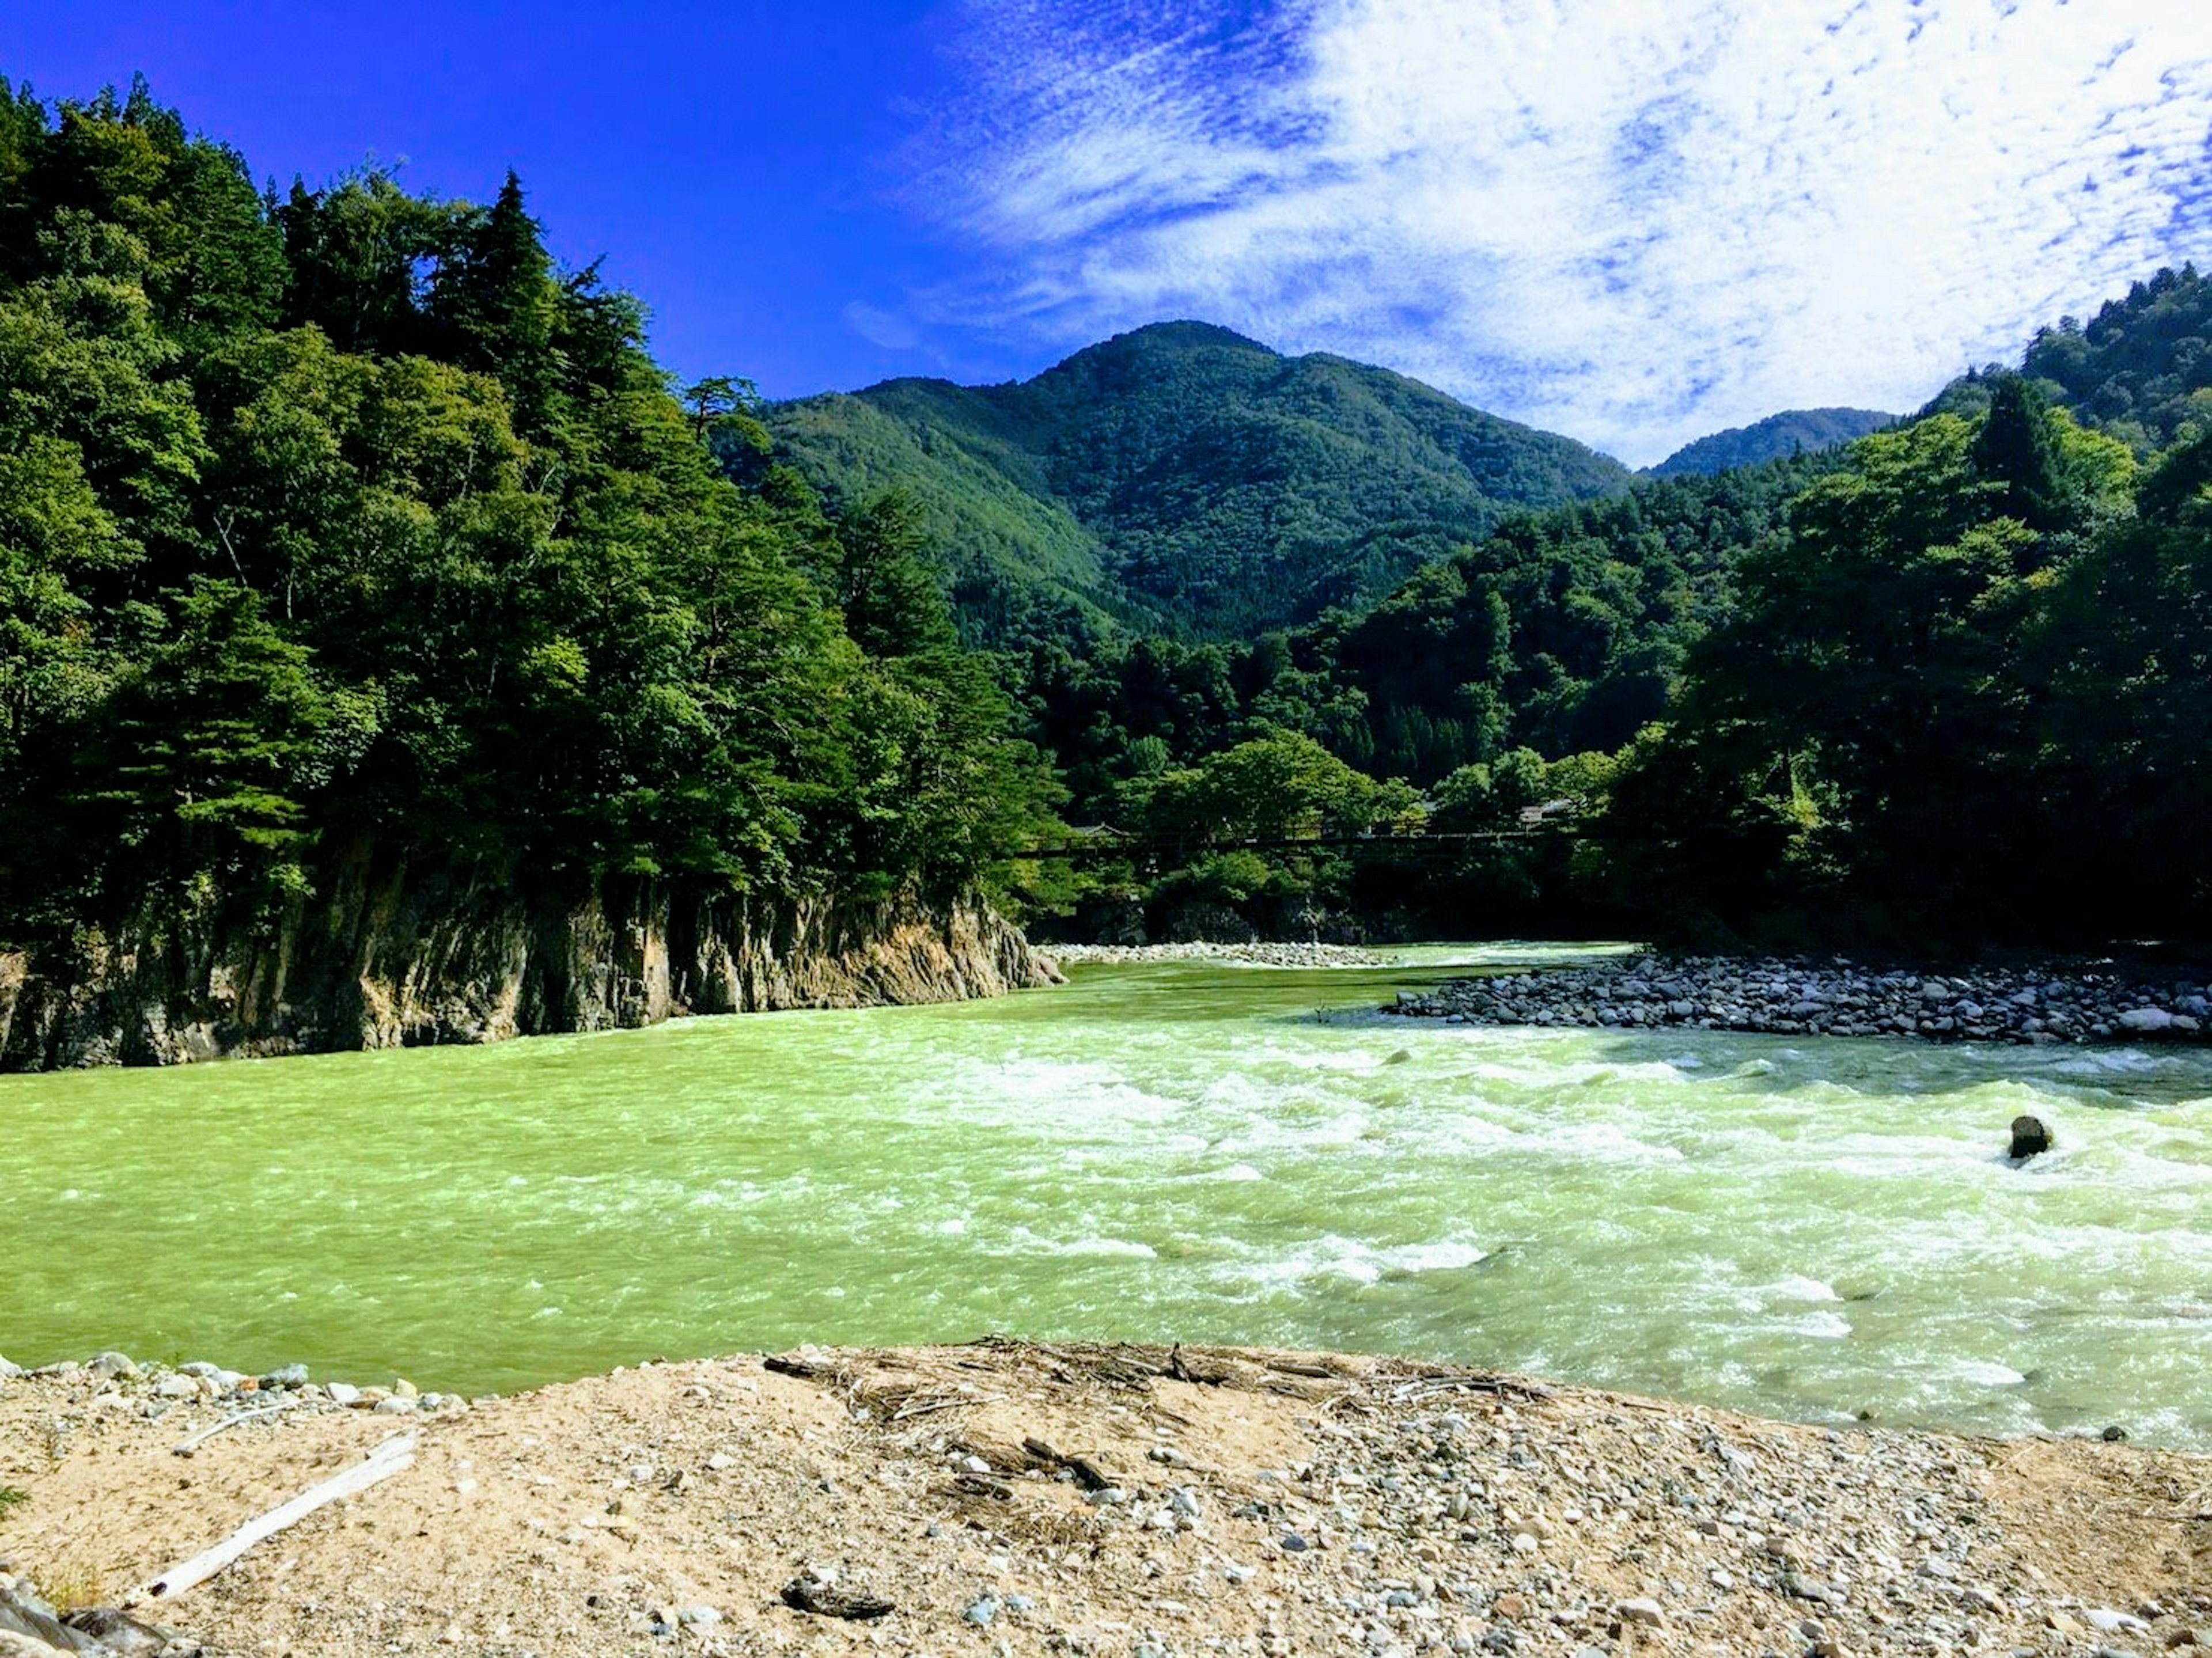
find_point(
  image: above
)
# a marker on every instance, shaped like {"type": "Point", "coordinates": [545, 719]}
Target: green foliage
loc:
{"type": "Point", "coordinates": [1182, 479]}
{"type": "Point", "coordinates": [1793, 432]}
{"type": "Point", "coordinates": [2142, 368]}
{"type": "Point", "coordinates": [348, 518]}
{"type": "Point", "coordinates": [1913, 688]}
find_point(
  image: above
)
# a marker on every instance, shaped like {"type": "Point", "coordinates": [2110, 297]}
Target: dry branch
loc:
{"type": "Point", "coordinates": [386, 1460]}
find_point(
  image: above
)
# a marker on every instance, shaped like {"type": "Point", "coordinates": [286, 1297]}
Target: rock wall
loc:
{"type": "Point", "coordinates": [388, 954]}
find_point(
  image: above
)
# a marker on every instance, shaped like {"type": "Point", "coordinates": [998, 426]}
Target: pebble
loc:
{"type": "Point", "coordinates": [342, 1393]}
{"type": "Point", "coordinates": [1833, 997]}
{"type": "Point", "coordinates": [981, 1610]}
{"type": "Point", "coordinates": [1647, 1613]}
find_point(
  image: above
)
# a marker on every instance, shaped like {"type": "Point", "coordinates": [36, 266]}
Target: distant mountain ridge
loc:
{"type": "Point", "coordinates": [1183, 479]}
{"type": "Point", "coordinates": [1793, 431]}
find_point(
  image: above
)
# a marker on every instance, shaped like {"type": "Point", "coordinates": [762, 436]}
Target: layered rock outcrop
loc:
{"type": "Point", "coordinates": [389, 953]}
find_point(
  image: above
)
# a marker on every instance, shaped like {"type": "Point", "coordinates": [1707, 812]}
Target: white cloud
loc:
{"type": "Point", "coordinates": [881, 327]}
{"type": "Point", "coordinates": [1636, 221]}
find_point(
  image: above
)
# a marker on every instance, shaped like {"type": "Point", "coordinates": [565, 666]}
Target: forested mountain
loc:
{"type": "Point", "coordinates": [2139, 370]}
{"type": "Point", "coordinates": [345, 538]}
{"type": "Point", "coordinates": [1185, 480]}
{"type": "Point", "coordinates": [1947, 683]}
{"type": "Point", "coordinates": [1793, 431]}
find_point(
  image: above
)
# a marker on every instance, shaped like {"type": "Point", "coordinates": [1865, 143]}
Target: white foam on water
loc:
{"type": "Point", "coordinates": [1822, 1327]}
{"type": "Point", "coordinates": [1121, 1248]}
{"type": "Point", "coordinates": [1432, 1257]}
{"type": "Point", "coordinates": [2109, 1062]}
{"type": "Point", "coordinates": [1332, 1258]}
{"type": "Point", "coordinates": [1601, 1142]}
{"type": "Point", "coordinates": [1800, 1289]}
{"type": "Point", "coordinates": [1985, 1373]}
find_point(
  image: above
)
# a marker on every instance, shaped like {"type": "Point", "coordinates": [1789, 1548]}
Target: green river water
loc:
{"type": "Point", "coordinates": [1806, 1228]}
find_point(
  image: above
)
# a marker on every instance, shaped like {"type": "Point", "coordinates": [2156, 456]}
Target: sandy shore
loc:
{"type": "Point", "coordinates": [1006, 1498]}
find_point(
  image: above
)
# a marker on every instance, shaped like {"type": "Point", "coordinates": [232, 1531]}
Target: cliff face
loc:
{"type": "Point", "coordinates": [389, 955]}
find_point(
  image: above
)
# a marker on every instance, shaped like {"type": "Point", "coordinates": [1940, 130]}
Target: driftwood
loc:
{"type": "Point", "coordinates": [827, 1600]}
{"type": "Point", "coordinates": [187, 1446]}
{"type": "Point", "coordinates": [386, 1460]}
{"type": "Point", "coordinates": [1088, 1474]}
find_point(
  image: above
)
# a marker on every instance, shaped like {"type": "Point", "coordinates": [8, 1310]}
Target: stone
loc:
{"type": "Point", "coordinates": [178, 1387]}
{"type": "Point", "coordinates": [981, 1610]}
{"type": "Point", "coordinates": [1649, 1613]}
{"type": "Point", "coordinates": [394, 1406]}
{"type": "Point", "coordinates": [2030, 1138]}
{"type": "Point", "coordinates": [289, 1375]}
{"type": "Point", "coordinates": [2108, 1622]}
{"type": "Point", "coordinates": [2147, 1020]}
{"type": "Point", "coordinates": [115, 1366]}
{"type": "Point", "coordinates": [343, 1393]}
{"type": "Point", "coordinates": [698, 1617]}
{"type": "Point", "coordinates": [10, 1372]}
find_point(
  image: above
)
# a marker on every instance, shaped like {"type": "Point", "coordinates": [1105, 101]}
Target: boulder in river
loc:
{"type": "Point", "coordinates": [2030, 1138]}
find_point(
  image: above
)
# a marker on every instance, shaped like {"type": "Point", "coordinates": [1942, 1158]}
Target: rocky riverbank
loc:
{"type": "Point", "coordinates": [389, 952]}
{"type": "Point", "coordinates": [1141, 1501]}
{"type": "Point", "coordinates": [1835, 998]}
{"type": "Point", "coordinates": [1263, 955]}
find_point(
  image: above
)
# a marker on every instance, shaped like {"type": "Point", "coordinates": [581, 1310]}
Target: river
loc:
{"type": "Point", "coordinates": [1804, 1227]}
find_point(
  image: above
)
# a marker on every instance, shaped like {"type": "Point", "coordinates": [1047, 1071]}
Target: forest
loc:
{"type": "Point", "coordinates": [341, 514]}
{"type": "Point", "coordinates": [1944, 686]}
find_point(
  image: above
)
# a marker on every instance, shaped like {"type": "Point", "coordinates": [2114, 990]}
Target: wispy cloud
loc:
{"type": "Point", "coordinates": [1635, 221]}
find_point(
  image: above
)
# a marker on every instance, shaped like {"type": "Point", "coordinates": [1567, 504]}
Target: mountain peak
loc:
{"type": "Point", "coordinates": [1187, 479]}
{"type": "Point", "coordinates": [1790, 432]}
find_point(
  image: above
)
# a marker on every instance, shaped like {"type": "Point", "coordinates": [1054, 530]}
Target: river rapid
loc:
{"type": "Point", "coordinates": [1807, 1227]}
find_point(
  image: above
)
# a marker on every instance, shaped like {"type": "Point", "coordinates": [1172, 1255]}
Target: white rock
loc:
{"type": "Point", "coordinates": [342, 1393]}
{"type": "Point", "coordinates": [1649, 1614]}
{"type": "Point", "coordinates": [2145, 1018]}
{"type": "Point", "coordinates": [2112, 1623]}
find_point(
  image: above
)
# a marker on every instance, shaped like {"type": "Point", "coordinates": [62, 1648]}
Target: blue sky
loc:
{"type": "Point", "coordinates": [1633, 221]}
